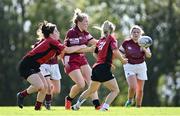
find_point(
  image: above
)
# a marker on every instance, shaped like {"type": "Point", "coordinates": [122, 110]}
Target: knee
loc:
{"type": "Point", "coordinates": [46, 87]}
{"type": "Point", "coordinates": [81, 85]}
{"type": "Point", "coordinates": [116, 91]}
{"type": "Point", "coordinates": [140, 91]}
{"type": "Point", "coordinates": [41, 87]}
{"type": "Point", "coordinates": [132, 88]}
{"type": "Point", "coordinates": [56, 90]}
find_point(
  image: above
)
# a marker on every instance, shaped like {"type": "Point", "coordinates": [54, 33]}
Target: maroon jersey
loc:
{"type": "Point", "coordinates": [133, 52]}
{"type": "Point", "coordinates": [45, 50]}
{"type": "Point", "coordinates": [76, 37]}
{"type": "Point", "coordinates": [104, 49]}
{"type": "Point", "coordinates": [75, 60]}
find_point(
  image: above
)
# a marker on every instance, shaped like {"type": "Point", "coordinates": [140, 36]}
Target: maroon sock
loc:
{"type": "Point", "coordinates": [38, 105]}
{"type": "Point", "coordinates": [24, 93]}
{"type": "Point", "coordinates": [48, 97]}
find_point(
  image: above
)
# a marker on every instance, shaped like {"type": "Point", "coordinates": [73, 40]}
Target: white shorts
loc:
{"type": "Point", "coordinates": [140, 70]}
{"type": "Point", "coordinates": [51, 70]}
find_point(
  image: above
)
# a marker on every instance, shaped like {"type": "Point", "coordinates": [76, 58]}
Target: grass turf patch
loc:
{"type": "Point", "coordinates": [90, 111]}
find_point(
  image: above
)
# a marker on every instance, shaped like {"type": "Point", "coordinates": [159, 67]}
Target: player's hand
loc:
{"type": "Point", "coordinates": [124, 60]}
{"type": "Point", "coordinates": [92, 48]}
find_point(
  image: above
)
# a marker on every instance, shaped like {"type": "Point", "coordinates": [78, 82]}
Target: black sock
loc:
{"type": "Point", "coordinates": [96, 102]}
{"type": "Point", "coordinates": [69, 98]}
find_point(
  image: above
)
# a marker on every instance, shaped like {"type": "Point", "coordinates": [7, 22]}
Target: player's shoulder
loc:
{"type": "Point", "coordinates": [113, 38]}
{"type": "Point", "coordinates": [51, 40]}
{"type": "Point", "coordinates": [127, 39]}
{"type": "Point", "coordinates": [71, 32]}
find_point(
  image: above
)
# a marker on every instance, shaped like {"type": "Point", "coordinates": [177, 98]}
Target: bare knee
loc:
{"type": "Point", "coordinates": [56, 90]}
{"type": "Point", "coordinates": [81, 85]}
{"type": "Point", "coordinates": [42, 87]}
{"type": "Point", "coordinates": [140, 91]}
{"type": "Point", "coordinates": [132, 88]}
{"type": "Point", "coordinates": [116, 91]}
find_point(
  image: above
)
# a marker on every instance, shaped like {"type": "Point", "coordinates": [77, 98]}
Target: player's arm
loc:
{"type": "Point", "coordinates": [147, 52]}
{"type": "Point", "coordinates": [87, 49]}
{"type": "Point", "coordinates": [93, 41]}
{"type": "Point", "coordinates": [119, 56]}
{"type": "Point", "coordinates": [62, 49]}
{"type": "Point", "coordinates": [74, 48]}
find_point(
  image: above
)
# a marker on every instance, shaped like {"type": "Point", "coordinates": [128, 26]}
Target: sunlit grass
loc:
{"type": "Point", "coordinates": [89, 111]}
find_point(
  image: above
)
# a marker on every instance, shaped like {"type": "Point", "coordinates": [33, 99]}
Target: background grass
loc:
{"type": "Point", "coordinates": [89, 111]}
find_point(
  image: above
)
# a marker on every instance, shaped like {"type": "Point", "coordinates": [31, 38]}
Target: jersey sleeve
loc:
{"type": "Point", "coordinates": [37, 43]}
{"type": "Point", "coordinates": [114, 44]}
{"type": "Point", "coordinates": [89, 37]}
{"type": "Point", "coordinates": [66, 40]}
{"type": "Point", "coordinates": [121, 49]}
{"type": "Point", "coordinates": [58, 46]}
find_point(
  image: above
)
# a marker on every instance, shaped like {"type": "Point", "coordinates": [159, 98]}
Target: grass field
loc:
{"type": "Point", "coordinates": [89, 111]}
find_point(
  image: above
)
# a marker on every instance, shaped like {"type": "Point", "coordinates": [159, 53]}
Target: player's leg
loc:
{"type": "Point", "coordinates": [93, 87]}
{"type": "Point", "coordinates": [113, 87]}
{"type": "Point", "coordinates": [56, 86]}
{"type": "Point", "coordinates": [48, 97]}
{"type": "Point", "coordinates": [46, 72]}
{"type": "Point", "coordinates": [141, 77]}
{"type": "Point", "coordinates": [139, 92]}
{"type": "Point", "coordinates": [87, 72]}
{"type": "Point", "coordinates": [36, 85]}
{"type": "Point", "coordinates": [79, 85]}
{"type": "Point", "coordinates": [41, 93]}
{"type": "Point", "coordinates": [132, 85]}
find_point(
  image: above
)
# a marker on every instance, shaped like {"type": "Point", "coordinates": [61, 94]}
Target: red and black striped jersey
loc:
{"type": "Point", "coordinates": [45, 50]}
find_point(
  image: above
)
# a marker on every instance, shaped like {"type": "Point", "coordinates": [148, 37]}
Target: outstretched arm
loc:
{"type": "Point", "coordinates": [118, 55]}
{"type": "Point", "coordinates": [74, 48]}
{"type": "Point", "coordinates": [87, 49]}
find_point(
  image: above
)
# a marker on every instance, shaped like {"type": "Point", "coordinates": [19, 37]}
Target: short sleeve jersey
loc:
{"type": "Point", "coordinates": [53, 60]}
{"type": "Point", "coordinates": [76, 37]}
{"type": "Point", "coordinates": [133, 52]}
{"type": "Point", "coordinates": [45, 50]}
{"type": "Point", "coordinates": [104, 49]}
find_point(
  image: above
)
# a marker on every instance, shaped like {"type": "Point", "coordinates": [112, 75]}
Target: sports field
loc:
{"type": "Point", "coordinates": [89, 111]}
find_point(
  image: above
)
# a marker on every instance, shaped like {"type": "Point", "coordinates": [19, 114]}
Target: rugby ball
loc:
{"type": "Point", "coordinates": [145, 41]}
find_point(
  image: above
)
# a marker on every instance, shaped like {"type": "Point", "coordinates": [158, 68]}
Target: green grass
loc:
{"type": "Point", "coordinates": [89, 111]}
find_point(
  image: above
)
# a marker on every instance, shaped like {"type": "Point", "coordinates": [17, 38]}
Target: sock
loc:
{"type": "Point", "coordinates": [96, 103]}
{"type": "Point", "coordinates": [130, 99]}
{"type": "Point", "coordinates": [24, 93]}
{"type": "Point", "coordinates": [48, 97]}
{"type": "Point", "coordinates": [105, 106]}
{"type": "Point", "coordinates": [38, 105]}
{"type": "Point", "coordinates": [80, 101]}
{"type": "Point", "coordinates": [69, 98]}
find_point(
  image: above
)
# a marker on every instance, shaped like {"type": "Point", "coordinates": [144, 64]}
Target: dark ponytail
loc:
{"type": "Point", "coordinates": [46, 28]}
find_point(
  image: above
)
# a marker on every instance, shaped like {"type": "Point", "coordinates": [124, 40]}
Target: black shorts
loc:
{"type": "Point", "coordinates": [27, 67]}
{"type": "Point", "coordinates": [102, 73]}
